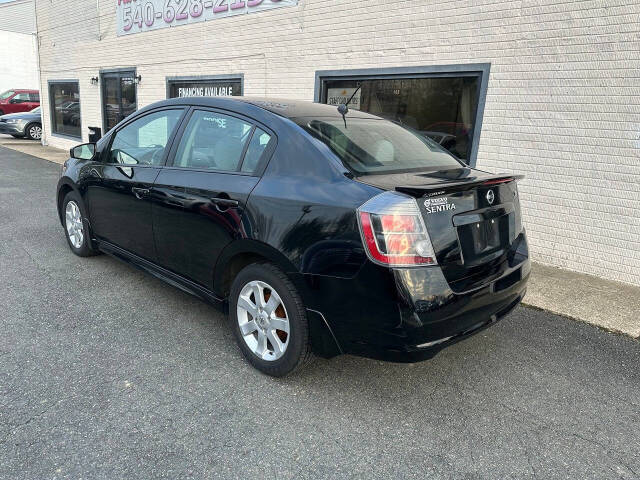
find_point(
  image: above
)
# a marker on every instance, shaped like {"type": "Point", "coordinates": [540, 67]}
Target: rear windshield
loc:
{"type": "Point", "coordinates": [6, 94]}
{"type": "Point", "coordinates": [371, 146]}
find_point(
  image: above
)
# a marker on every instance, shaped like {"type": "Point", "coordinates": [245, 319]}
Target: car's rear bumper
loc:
{"type": "Point", "coordinates": [11, 129]}
{"type": "Point", "coordinates": [410, 314]}
{"type": "Point", "coordinates": [430, 323]}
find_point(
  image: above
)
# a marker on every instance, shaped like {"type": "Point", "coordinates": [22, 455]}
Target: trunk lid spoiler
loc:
{"type": "Point", "coordinates": [444, 187]}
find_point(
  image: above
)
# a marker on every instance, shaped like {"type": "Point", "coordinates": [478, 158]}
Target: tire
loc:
{"type": "Point", "coordinates": [33, 131]}
{"type": "Point", "coordinates": [80, 246]}
{"type": "Point", "coordinates": [294, 348]}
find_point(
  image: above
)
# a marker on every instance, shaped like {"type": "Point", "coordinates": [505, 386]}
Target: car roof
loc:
{"type": "Point", "coordinates": [23, 90]}
{"type": "Point", "coordinates": [283, 107]}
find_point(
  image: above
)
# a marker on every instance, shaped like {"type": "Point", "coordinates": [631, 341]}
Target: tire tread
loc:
{"type": "Point", "coordinates": [306, 355]}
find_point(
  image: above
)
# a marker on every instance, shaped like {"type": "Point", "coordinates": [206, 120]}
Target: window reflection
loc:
{"type": "Point", "coordinates": [65, 111]}
{"type": "Point", "coordinates": [440, 108]}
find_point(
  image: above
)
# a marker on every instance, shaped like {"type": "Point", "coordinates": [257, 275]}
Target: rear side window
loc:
{"type": "Point", "coordinates": [35, 97]}
{"type": "Point", "coordinates": [143, 141]}
{"type": "Point", "coordinates": [213, 141]}
{"type": "Point", "coordinates": [257, 146]}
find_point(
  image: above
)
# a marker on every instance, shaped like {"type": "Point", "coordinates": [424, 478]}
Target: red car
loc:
{"type": "Point", "coordinates": [19, 100]}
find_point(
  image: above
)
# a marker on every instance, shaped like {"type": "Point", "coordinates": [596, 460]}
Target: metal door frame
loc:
{"type": "Point", "coordinates": [118, 73]}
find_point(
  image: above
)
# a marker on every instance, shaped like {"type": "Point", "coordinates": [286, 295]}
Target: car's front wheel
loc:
{"type": "Point", "coordinates": [269, 320]}
{"type": "Point", "coordinates": [75, 226]}
{"type": "Point", "coordinates": [33, 131]}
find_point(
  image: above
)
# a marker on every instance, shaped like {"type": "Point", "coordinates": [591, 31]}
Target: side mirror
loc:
{"type": "Point", "coordinates": [86, 151]}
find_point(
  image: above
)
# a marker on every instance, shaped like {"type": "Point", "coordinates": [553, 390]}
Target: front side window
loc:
{"type": "Point", "coordinates": [143, 141]}
{"type": "Point", "coordinates": [65, 108]}
{"type": "Point", "coordinates": [370, 146]}
{"type": "Point", "coordinates": [7, 94]}
{"type": "Point", "coordinates": [213, 141]}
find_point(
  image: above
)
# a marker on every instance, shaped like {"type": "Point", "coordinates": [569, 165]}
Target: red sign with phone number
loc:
{"type": "Point", "coordinates": [135, 16]}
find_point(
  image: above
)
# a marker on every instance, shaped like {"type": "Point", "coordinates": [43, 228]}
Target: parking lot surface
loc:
{"type": "Point", "coordinates": [106, 372]}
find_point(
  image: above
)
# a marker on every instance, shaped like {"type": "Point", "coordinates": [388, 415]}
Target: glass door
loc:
{"type": "Point", "coordinates": [118, 97]}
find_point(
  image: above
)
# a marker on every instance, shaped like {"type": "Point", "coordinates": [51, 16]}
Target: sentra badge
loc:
{"type": "Point", "coordinates": [435, 205]}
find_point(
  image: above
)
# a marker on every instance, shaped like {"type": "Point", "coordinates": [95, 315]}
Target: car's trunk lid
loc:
{"type": "Point", "coordinates": [473, 219]}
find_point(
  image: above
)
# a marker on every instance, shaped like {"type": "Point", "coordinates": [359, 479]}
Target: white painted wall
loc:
{"type": "Point", "coordinates": [19, 60]}
{"type": "Point", "coordinates": [18, 16]}
{"type": "Point", "coordinates": [563, 103]}
{"type": "Point", "coordinates": [18, 45]}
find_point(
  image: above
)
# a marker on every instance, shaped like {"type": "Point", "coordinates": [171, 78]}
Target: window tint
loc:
{"type": "Point", "coordinates": [257, 146]}
{"type": "Point", "coordinates": [34, 97]}
{"type": "Point", "coordinates": [143, 141]}
{"type": "Point", "coordinates": [212, 141]}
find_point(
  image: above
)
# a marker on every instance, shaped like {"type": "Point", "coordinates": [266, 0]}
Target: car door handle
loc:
{"type": "Point", "coordinates": [140, 193]}
{"type": "Point", "coordinates": [224, 202]}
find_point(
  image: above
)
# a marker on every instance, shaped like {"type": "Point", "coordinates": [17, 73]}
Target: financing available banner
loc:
{"type": "Point", "coordinates": [135, 16]}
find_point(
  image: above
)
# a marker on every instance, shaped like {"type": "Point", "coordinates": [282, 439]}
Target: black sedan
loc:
{"type": "Point", "coordinates": [320, 230]}
{"type": "Point", "coordinates": [25, 124]}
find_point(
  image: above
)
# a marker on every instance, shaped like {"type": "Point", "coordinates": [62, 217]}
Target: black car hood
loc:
{"type": "Point", "coordinates": [419, 183]}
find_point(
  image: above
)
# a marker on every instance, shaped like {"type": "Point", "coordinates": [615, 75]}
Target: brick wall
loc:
{"type": "Point", "coordinates": [563, 102]}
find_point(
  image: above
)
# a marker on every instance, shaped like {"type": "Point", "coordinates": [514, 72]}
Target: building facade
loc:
{"type": "Point", "coordinates": [549, 89]}
{"type": "Point", "coordinates": [18, 46]}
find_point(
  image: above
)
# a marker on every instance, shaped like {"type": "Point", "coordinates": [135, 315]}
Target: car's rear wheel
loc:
{"type": "Point", "coordinates": [76, 226]}
{"type": "Point", "coordinates": [33, 131]}
{"type": "Point", "coordinates": [269, 320]}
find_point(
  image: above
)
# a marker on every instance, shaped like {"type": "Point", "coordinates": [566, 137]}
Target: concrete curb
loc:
{"type": "Point", "coordinates": [609, 305]}
{"type": "Point", "coordinates": [34, 149]}
{"type": "Point", "coordinates": [612, 306]}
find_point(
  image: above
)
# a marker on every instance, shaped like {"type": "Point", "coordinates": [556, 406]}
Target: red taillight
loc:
{"type": "Point", "coordinates": [398, 223]}
{"type": "Point", "coordinates": [393, 231]}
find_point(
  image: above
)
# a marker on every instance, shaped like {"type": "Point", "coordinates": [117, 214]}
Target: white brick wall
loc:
{"type": "Point", "coordinates": [563, 103]}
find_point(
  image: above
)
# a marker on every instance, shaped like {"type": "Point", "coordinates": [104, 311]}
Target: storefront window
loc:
{"type": "Point", "coordinates": [441, 108]}
{"type": "Point", "coordinates": [204, 87]}
{"type": "Point", "coordinates": [65, 108]}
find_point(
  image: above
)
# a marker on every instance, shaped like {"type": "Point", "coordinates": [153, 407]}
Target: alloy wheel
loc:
{"type": "Point", "coordinates": [263, 320]}
{"type": "Point", "coordinates": [73, 222]}
{"type": "Point", "coordinates": [35, 132]}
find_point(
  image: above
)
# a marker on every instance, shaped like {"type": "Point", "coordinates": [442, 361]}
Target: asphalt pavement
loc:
{"type": "Point", "coordinates": [108, 373]}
